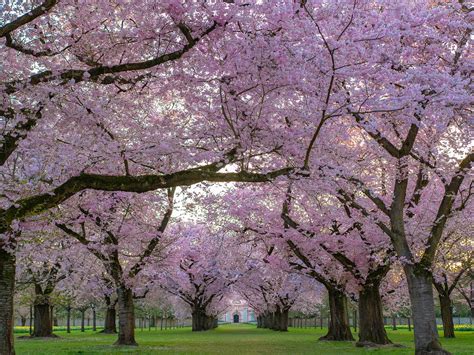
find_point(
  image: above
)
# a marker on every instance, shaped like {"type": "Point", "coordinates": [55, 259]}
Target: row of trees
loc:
{"type": "Point", "coordinates": [197, 274]}
{"type": "Point", "coordinates": [349, 123]}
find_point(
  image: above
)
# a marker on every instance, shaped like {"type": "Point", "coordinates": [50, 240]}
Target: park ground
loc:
{"type": "Point", "coordinates": [227, 339]}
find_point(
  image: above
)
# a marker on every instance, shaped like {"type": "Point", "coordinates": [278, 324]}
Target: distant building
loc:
{"type": "Point", "coordinates": [238, 312]}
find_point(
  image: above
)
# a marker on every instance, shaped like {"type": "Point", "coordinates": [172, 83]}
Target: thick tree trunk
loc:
{"type": "Point", "coordinates": [283, 321]}
{"type": "Point", "coordinates": [201, 321]}
{"type": "Point", "coordinates": [109, 324]}
{"type": "Point", "coordinates": [447, 315]}
{"type": "Point", "coordinates": [268, 320]}
{"type": "Point", "coordinates": [126, 334]}
{"type": "Point", "coordinates": [43, 322]}
{"type": "Point", "coordinates": [210, 322]}
{"type": "Point", "coordinates": [371, 326]}
{"type": "Point", "coordinates": [423, 310]}
{"type": "Point", "coordinates": [339, 328]}
{"type": "Point", "coordinates": [7, 285]}
{"type": "Point", "coordinates": [279, 320]}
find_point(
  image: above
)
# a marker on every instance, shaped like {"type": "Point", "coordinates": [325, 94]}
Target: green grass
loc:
{"type": "Point", "coordinates": [227, 339]}
{"type": "Point", "coordinates": [25, 330]}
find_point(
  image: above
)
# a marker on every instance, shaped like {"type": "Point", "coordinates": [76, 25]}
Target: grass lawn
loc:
{"type": "Point", "coordinates": [227, 339]}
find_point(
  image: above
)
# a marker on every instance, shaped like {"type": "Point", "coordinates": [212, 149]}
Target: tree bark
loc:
{"type": "Point", "coordinates": [94, 319]}
{"type": "Point", "coordinates": [424, 319]}
{"type": "Point", "coordinates": [23, 321]}
{"type": "Point", "coordinates": [268, 320]}
{"type": "Point", "coordinates": [447, 315]}
{"type": "Point", "coordinates": [83, 320]}
{"type": "Point", "coordinates": [339, 328]}
{"type": "Point", "coordinates": [371, 326]}
{"type": "Point", "coordinates": [201, 321]}
{"type": "Point", "coordinates": [68, 319]}
{"type": "Point", "coordinates": [43, 325]}
{"type": "Point", "coordinates": [279, 320]}
{"type": "Point", "coordinates": [31, 319]}
{"type": "Point", "coordinates": [283, 321]}
{"type": "Point", "coordinates": [7, 284]}
{"type": "Point", "coordinates": [126, 334]}
{"type": "Point", "coordinates": [109, 324]}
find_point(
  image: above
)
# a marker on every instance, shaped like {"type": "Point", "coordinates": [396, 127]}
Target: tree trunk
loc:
{"type": "Point", "coordinates": [43, 322]}
{"type": "Point", "coordinates": [23, 321]}
{"type": "Point", "coordinates": [126, 334]}
{"type": "Point", "coordinates": [447, 315]}
{"type": "Point", "coordinates": [279, 320]}
{"type": "Point", "coordinates": [423, 311]}
{"type": "Point", "coordinates": [354, 319]}
{"type": "Point", "coordinates": [471, 296]}
{"type": "Point", "coordinates": [31, 319]}
{"type": "Point", "coordinates": [109, 324]}
{"type": "Point", "coordinates": [267, 320]}
{"type": "Point", "coordinates": [339, 328]}
{"type": "Point", "coordinates": [198, 320]}
{"type": "Point", "coordinates": [54, 319]}
{"type": "Point", "coordinates": [264, 317]}
{"type": "Point", "coordinates": [7, 285]}
{"type": "Point", "coordinates": [283, 321]}
{"type": "Point", "coordinates": [94, 319]}
{"type": "Point", "coordinates": [371, 326]}
{"type": "Point", "coordinates": [201, 321]}
{"type": "Point", "coordinates": [68, 319]}
{"type": "Point", "coordinates": [83, 320]}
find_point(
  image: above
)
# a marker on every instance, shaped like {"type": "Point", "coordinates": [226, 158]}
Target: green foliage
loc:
{"type": "Point", "coordinates": [236, 339]}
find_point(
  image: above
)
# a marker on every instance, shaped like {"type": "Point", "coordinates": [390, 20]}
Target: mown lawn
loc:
{"type": "Point", "coordinates": [227, 339]}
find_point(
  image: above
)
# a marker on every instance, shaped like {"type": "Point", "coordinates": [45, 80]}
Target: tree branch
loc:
{"type": "Point", "coordinates": [36, 204]}
{"type": "Point", "coordinates": [445, 208]}
{"type": "Point", "coordinates": [28, 17]}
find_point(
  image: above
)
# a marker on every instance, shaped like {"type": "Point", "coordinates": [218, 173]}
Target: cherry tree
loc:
{"type": "Point", "coordinates": [123, 232]}
{"type": "Point", "coordinates": [203, 267]}
{"type": "Point", "coordinates": [272, 288]}
{"type": "Point", "coordinates": [364, 256]}
{"type": "Point", "coordinates": [258, 215]}
{"type": "Point", "coordinates": [465, 289]}
{"type": "Point", "coordinates": [453, 260]}
{"type": "Point", "coordinates": [86, 287]}
{"type": "Point", "coordinates": [44, 262]}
